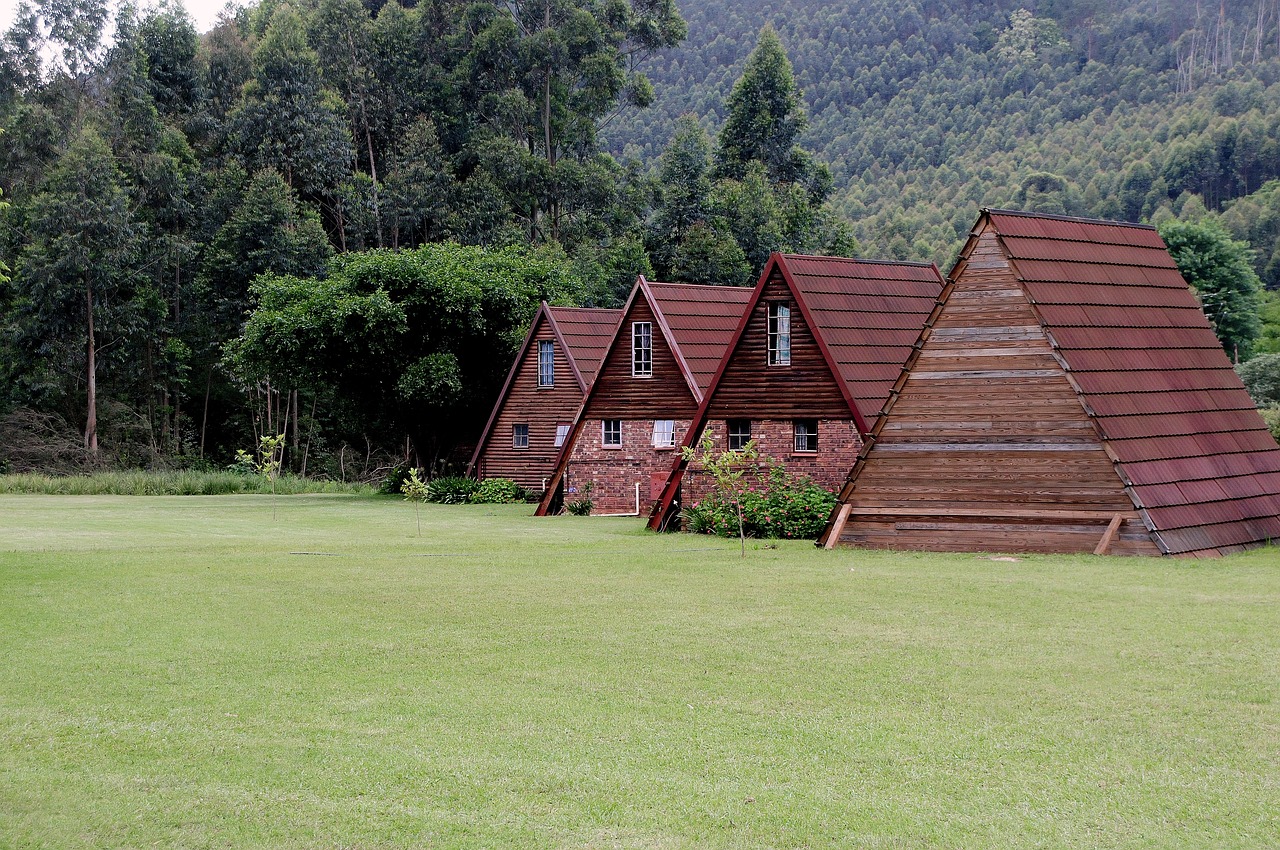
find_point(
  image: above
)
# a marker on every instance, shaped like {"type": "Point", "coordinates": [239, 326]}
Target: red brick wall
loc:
{"type": "Point", "coordinates": [829, 466]}
{"type": "Point", "coordinates": [614, 472]}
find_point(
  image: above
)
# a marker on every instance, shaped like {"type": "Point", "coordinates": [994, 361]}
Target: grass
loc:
{"type": "Point", "coordinates": [188, 673]}
{"type": "Point", "coordinates": [174, 483]}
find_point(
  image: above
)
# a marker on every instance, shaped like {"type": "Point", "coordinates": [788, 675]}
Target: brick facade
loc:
{"type": "Point", "coordinates": [615, 472]}
{"type": "Point", "coordinates": [828, 467]}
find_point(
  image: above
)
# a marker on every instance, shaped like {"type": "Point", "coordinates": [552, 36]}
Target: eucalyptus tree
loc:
{"type": "Point", "coordinates": [288, 120]}
{"type": "Point", "coordinates": [78, 277]}
{"type": "Point", "coordinates": [545, 73]}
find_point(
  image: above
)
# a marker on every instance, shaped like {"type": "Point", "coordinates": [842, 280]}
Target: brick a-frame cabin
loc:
{"type": "Point", "coordinates": [663, 356]}
{"type": "Point", "coordinates": [543, 391]}
{"type": "Point", "coordinates": [852, 324]}
{"type": "Point", "coordinates": [1068, 395]}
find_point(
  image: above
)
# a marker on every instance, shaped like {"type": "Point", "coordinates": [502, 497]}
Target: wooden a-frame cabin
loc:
{"type": "Point", "coordinates": [545, 387]}
{"type": "Point", "coordinates": [1066, 395]}
{"type": "Point", "coordinates": [659, 364]}
{"type": "Point", "coordinates": [809, 366]}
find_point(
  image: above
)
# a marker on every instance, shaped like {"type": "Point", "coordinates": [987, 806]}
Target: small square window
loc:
{"type": "Point", "coordinates": [641, 349]}
{"type": "Point", "coordinates": [546, 363]}
{"type": "Point", "coordinates": [520, 436]}
{"type": "Point", "coordinates": [739, 434]}
{"type": "Point", "coordinates": [664, 433]}
{"type": "Point", "coordinates": [806, 431]}
{"type": "Point", "coordinates": [611, 432]}
{"type": "Point", "coordinates": [562, 434]}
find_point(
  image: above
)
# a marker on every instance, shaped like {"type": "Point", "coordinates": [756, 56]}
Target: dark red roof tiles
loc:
{"type": "Point", "coordinates": [587, 332]}
{"type": "Point", "coordinates": [1184, 432]}
{"type": "Point", "coordinates": [702, 320]}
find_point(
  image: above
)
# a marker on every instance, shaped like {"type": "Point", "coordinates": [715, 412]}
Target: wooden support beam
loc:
{"type": "Point", "coordinates": [1112, 528]}
{"type": "Point", "coordinates": [837, 527]}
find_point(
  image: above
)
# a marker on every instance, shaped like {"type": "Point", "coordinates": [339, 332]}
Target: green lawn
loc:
{"type": "Point", "coordinates": [186, 672]}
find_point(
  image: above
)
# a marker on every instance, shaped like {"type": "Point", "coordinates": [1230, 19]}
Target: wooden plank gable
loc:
{"type": "Point", "coordinates": [751, 389]}
{"type": "Point", "coordinates": [987, 445]}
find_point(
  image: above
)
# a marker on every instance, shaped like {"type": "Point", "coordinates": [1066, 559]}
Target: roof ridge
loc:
{"type": "Point", "coordinates": [1073, 218]}
{"type": "Point", "coordinates": [825, 258]}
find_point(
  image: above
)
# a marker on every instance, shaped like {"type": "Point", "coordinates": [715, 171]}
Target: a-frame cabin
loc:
{"type": "Point", "coordinates": [546, 385]}
{"type": "Point", "coordinates": [809, 366]}
{"type": "Point", "coordinates": [659, 364]}
{"type": "Point", "coordinates": [1067, 395]}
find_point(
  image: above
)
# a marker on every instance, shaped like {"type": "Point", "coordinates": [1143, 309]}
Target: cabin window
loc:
{"type": "Point", "coordinates": [611, 432]}
{"type": "Point", "coordinates": [739, 434]}
{"type": "Point", "coordinates": [546, 363]}
{"type": "Point", "coordinates": [779, 334]}
{"type": "Point", "coordinates": [641, 349]}
{"type": "Point", "coordinates": [806, 431]}
{"type": "Point", "coordinates": [520, 435]}
{"type": "Point", "coordinates": [562, 434]}
{"type": "Point", "coordinates": [664, 433]}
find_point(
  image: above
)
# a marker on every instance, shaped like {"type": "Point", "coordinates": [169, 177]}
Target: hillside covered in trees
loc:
{"type": "Point", "coordinates": [927, 109]}
{"type": "Point", "coordinates": [334, 218]}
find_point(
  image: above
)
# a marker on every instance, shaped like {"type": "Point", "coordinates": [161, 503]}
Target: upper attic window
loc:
{"type": "Point", "coordinates": [546, 363]}
{"type": "Point", "coordinates": [779, 333]}
{"type": "Point", "coordinates": [642, 349]}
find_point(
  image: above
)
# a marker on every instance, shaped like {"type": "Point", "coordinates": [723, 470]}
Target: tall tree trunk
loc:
{"type": "Point", "coordinates": [204, 418]}
{"type": "Point", "coordinates": [91, 420]}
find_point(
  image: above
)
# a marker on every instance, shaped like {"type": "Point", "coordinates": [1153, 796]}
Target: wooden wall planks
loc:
{"type": "Point", "coordinates": [750, 389]}
{"type": "Point", "coordinates": [541, 408]}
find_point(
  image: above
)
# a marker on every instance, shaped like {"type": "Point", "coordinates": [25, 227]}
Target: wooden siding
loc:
{"type": "Point", "coordinates": [751, 389]}
{"type": "Point", "coordinates": [987, 447]}
{"type": "Point", "coordinates": [619, 395]}
{"type": "Point", "coordinates": [542, 408]}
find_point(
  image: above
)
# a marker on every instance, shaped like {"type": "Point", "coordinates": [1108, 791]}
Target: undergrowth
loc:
{"type": "Point", "coordinates": [173, 483]}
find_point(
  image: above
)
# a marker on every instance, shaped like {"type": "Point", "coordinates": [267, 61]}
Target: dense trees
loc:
{"type": "Point", "coordinates": [276, 223]}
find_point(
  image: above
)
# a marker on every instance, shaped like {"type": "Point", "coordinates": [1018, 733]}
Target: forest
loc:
{"type": "Point", "coordinates": [334, 219]}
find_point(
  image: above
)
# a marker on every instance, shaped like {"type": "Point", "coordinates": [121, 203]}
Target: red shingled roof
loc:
{"type": "Point", "coordinates": [701, 320]}
{"type": "Point", "coordinates": [868, 313]}
{"type": "Point", "coordinates": [585, 332]}
{"type": "Point", "coordinates": [1185, 435]}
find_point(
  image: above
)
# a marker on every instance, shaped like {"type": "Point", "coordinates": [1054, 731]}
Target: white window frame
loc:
{"type": "Point", "coordinates": [810, 437]}
{"type": "Point", "coordinates": [547, 366]}
{"type": "Point", "coordinates": [562, 433]}
{"type": "Point", "coordinates": [664, 433]}
{"type": "Point", "coordinates": [729, 436]}
{"type": "Point", "coordinates": [518, 431]}
{"type": "Point", "coordinates": [779, 333]}
{"type": "Point", "coordinates": [605, 433]}
{"type": "Point", "coordinates": [642, 349]}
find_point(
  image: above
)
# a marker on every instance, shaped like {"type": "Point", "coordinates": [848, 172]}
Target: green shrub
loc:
{"type": "Point", "coordinates": [451, 489]}
{"type": "Point", "coordinates": [582, 505]}
{"type": "Point", "coordinates": [497, 491]}
{"type": "Point", "coordinates": [393, 483]}
{"type": "Point", "coordinates": [1261, 377]}
{"type": "Point", "coordinates": [1271, 416]}
{"type": "Point", "coordinates": [776, 505]}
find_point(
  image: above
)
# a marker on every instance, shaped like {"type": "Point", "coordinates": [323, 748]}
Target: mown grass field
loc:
{"type": "Point", "coordinates": [187, 672]}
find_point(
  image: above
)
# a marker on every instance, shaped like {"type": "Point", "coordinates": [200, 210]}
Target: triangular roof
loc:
{"type": "Point", "coordinates": [1184, 436]}
{"type": "Point", "coordinates": [583, 333]}
{"type": "Point", "coordinates": [696, 320]}
{"type": "Point", "coordinates": [865, 316]}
